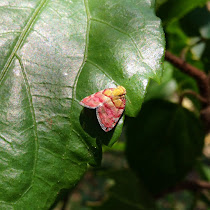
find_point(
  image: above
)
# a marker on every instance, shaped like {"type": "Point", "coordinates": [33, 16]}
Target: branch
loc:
{"type": "Point", "coordinates": [198, 96]}
{"type": "Point", "coordinates": [195, 185]}
{"type": "Point", "coordinates": [192, 185]}
{"type": "Point", "coordinates": [198, 75]}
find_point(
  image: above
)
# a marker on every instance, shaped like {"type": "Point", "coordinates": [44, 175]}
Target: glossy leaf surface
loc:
{"type": "Point", "coordinates": [53, 54]}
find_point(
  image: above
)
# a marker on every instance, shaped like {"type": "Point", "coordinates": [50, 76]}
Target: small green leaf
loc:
{"type": "Point", "coordinates": [203, 169]}
{"type": "Point", "coordinates": [173, 10]}
{"type": "Point", "coordinates": [190, 37]}
{"type": "Point", "coordinates": [167, 87]}
{"type": "Point", "coordinates": [169, 141]}
{"type": "Point", "coordinates": [127, 192]}
{"type": "Point", "coordinates": [196, 23]}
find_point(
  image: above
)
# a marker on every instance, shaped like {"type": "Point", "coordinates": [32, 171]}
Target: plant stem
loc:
{"type": "Point", "coordinates": [198, 96]}
{"type": "Point", "coordinates": [201, 78]}
{"type": "Point", "coordinates": [203, 82]}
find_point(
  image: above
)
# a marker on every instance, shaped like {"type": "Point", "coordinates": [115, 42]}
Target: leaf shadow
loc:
{"type": "Point", "coordinates": [90, 124]}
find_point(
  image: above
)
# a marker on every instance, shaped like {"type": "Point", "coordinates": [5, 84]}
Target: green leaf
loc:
{"type": "Point", "coordinates": [169, 141]}
{"type": "Point", "coordinates": [177, 200]}
{"type": "Point", "coordinates": [197, 23]}
{"type": "Point", "coordinates": [190, 37]}
{"type": "Point", "coordinates": [52, 54]}
{"type": "Point", "coordinates": [176, 38]}
{"type": "Point", "coordinates": [173, 10]}
{"type": "Point", "coordinates": [197, 26]}
{"type": "Point", "coordinates": [184, 81]}
{"type": "Point", "coordinates": [130, 55]}
{"type": "Point", "coordinates": [127, 192]}
{"type": "Point", "coordinates": [203, 169]}
{"type": "Point", "coordinates": [167, 87]}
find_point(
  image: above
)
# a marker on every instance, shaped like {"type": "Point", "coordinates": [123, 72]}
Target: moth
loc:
{"type": "Point", "coordinates": [109, 105]}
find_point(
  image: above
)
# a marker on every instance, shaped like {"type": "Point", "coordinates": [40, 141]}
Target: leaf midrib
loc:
{"type": "Point", "coordinates": [14, 54]}
{"type": "Point", "coordinates": [22, 38]}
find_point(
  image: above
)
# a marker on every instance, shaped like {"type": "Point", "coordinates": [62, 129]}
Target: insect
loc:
{"type": "Point", "coordinates": [109, 105]}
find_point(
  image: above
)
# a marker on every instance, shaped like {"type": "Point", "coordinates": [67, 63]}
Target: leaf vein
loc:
{"type": "Point", "coordinates": [57, 156]}
{"type": "Point", "coordinates": [9, 32]}
{"type": "Point", "coordinates": [101, 69]}
{"type": "Point", "coordinates": [43, 180]}
{"type": "Point", "coordinates": [32, 111]}
{"type": "Point", "coordinates": [4, 139]}
{"type": "Point", "coordinates": [51, 98]}
{"type": "Point", "coordinates": [104, 72]}
{"type": "Point", "coordinates": [22, 38]}
{"type": "Point", "coordinates": [80, 69]}
{"type": "Point", "coordinates": [127, 34]}
{"type": "Point", "coordinates": [14, 7]}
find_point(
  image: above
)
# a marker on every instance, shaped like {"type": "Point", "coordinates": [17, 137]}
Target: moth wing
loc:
{"type": "Point", "coordinates": [94, 100]}
{"type": "Point", "coordinates": [108, 114]}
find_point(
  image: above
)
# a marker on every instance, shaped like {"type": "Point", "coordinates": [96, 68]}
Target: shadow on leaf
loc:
{"type": "Point", "coordinates": [90, 124]}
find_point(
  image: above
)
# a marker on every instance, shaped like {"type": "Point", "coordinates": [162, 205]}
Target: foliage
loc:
{"type": "Point", "coordinates": [54, 53]}
{"type": "Point", "coordinates": [168, 133]}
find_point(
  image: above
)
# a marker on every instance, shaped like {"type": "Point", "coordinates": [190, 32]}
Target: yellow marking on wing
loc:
{"type": "Point", "coordinates": [118, 103]}
{"type": "Point", "coordinates": [120, 90]}
{"type": "Point", "coordinates": [108, 92]}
